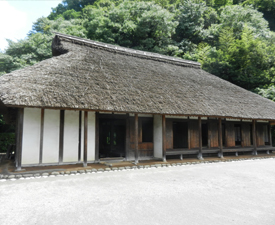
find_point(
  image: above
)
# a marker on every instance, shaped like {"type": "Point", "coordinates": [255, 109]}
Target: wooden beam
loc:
{"type": "Point", "coordinates": [220, 139]}
{"type": "Point", "coordinates": [189, 134]}
{"type": "Point", "coordinates": [79, 135]}
{"type": "Point", "coordinates": [242, 135]}
{"type": "Point", "coordinates": [97, 137]}
{"type": "Point", "coordinates": [61, 135]}
{"type": "Point", "coordinates": [136, 138]}
{"type": "Point", "coordinates": [41, 135]}
{"type": "Point", "coordinates": [200, 139]}
{"type": "Point", "coordinates": [19, 140]}
{"type": "Point", "coordinates": [254, 137]}
{"type": "Point", "coordinates": [85, 138]}
{"type": "Point", "coordinates": [163, 138]}
{"type": "Point", "coordinates": [270, 134]}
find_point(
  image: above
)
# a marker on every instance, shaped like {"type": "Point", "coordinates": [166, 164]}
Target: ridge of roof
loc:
{"type": "Point", "coordinates": [129, 50]}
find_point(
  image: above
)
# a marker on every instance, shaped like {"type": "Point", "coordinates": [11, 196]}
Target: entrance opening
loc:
{"type": "Point", "coordinates": [238, 137]}
{"type": "Point", "coordinates": [204, 131]}
{"type": "Point", "coordinates": [112, 136]}
{"type": "Point", "coordinates": [180, 135]}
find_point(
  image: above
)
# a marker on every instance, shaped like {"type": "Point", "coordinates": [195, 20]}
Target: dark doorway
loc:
{"type": "Point", "coordinates": [180, 135]}
{"type": "Point", "coordinates": [112, 136]}
{"type": "Point", "coordinates": [238, 136]}
{"type": "Point", "coordinates": [204, 131]}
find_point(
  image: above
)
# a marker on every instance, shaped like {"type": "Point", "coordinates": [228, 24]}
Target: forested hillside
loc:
{"type": "Point", "coordinates": [231, 39]}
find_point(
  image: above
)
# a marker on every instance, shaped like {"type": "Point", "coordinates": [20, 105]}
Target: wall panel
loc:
{"type": "Point", "coordinates": [260, 134]}
{"type": "Point", "coordinates": [31, 136]}
{"type": "Point", "coordinates": [213, 130]}
{"type": "Point", "coordinates": [158, 136]}
{"type": "Point", "coordinates": [230, 134]}
{"type": "Point", "coordinates": [50, 152]}
{"type": "Point", "coordinates": [246, 134]}
{"type": "Point", "coordinates": [194, 133]}
{"type": "Point", "coordinates": [71, 133]}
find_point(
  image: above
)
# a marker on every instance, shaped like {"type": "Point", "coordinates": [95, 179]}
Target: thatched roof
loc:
{"type": "Point", "coordinates": [95, 76]}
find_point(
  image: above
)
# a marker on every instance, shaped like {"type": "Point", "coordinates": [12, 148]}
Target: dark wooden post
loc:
{"type": "Point", "coordinates": [41, 135]}
{"type": "Point", "coordinates": [85, 138]}
{"type": "Point", "coordinates": [136, 138]}
{"type": "Point", "coordinates": [220, 138]}
{"type": "Point", "coordinates": [189, 135]}
{"type": "Point", "coordinates": [79, 135]}
{"type": "Point", "coordinates": [20, 117]}
{"type": "Point", "coordinates": [97, 137]}
{"type": "Point", "coordinates": [254, 138]}
{"type": "Point", "coordinates": [61, 135]}
{"type": "Point", "coordinates": [200, 140]}
{"type": "Point", "coordinates": [270, 135]}
{"type": "Point", "coordinates": [163, 138]}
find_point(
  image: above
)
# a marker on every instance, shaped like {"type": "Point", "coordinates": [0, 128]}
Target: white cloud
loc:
{"type": "Point", "coordinates": [12, 23]}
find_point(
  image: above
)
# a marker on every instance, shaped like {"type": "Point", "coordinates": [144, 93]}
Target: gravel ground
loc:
{"type": "Point", "coordinates": [241, 192]}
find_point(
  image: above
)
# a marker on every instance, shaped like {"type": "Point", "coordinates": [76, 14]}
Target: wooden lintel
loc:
{"type": "Point", "coordinates": [85, 138]}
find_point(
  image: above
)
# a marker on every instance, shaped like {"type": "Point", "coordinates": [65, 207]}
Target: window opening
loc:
{"type": "Point", "coordinates": [147, 130]}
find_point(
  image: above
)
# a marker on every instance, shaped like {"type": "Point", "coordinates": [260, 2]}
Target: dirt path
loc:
{"type": "Point", "coordinates": [240, 192]}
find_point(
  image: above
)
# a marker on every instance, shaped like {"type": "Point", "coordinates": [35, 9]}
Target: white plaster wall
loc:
{"type": "Point", "coordinates": [91, 136]}
{"type": "Point", "coordinates": [51, 136]}
{"type": "Point", "coordinates": [71, 130]}
{"type": "Point", "coordinates": [31, 136]}
{"type": "Point", "coordinates": [158, 136]}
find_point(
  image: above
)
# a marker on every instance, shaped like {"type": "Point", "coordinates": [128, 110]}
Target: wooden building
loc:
{"type": "Point", "coordinates": [93, 100]}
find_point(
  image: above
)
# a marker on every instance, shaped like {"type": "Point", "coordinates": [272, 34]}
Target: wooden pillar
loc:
{"type": "Point", "coordinates": [189, 134]}
{"type": "Point", "coordinates": [97, 137]}
{"type": "Point", "coordinates": [270, 135]}
{"type": "Point", "coordinates": [19, 139]}
{"type": "Point", "coordinates": [136, 138]}
{"type": "Point", "coordinates": [41, 135]}
{"type": "Point", "coordinates": [85, 138]}
{"type": "Point", "coordinates": [163, 138]}
{"type": "Point", "coordinates": [200, 140]}
{"type": "Point", "coordinates": [79, 135]}
{"type": "Point", "coordinates": [242, 135]}
{"type": "Point", "coordinates": [61, 135]}
{"type": "Point", "coordinates": [220, 138]}
{"type": "Point", "coordinates": [254, 137]}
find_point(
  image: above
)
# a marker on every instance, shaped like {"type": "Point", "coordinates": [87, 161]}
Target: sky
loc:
{"type": "Point", "coordinates": [18, 16]}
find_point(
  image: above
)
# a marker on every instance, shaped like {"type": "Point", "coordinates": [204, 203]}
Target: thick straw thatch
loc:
{"type": "Point", "coordinates": [90, 75]}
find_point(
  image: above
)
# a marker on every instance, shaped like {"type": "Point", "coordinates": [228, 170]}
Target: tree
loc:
{"type": "Point", "coordinates": [245, 62]}
{"type": "Point", "coordinates": [194, 18]}
{"type": "Point", "coordinates": [236, 17]}
{"type": "Point", "coordinates": [35, 48]}
{"type": "Point", "coordinates": [139, 25]}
